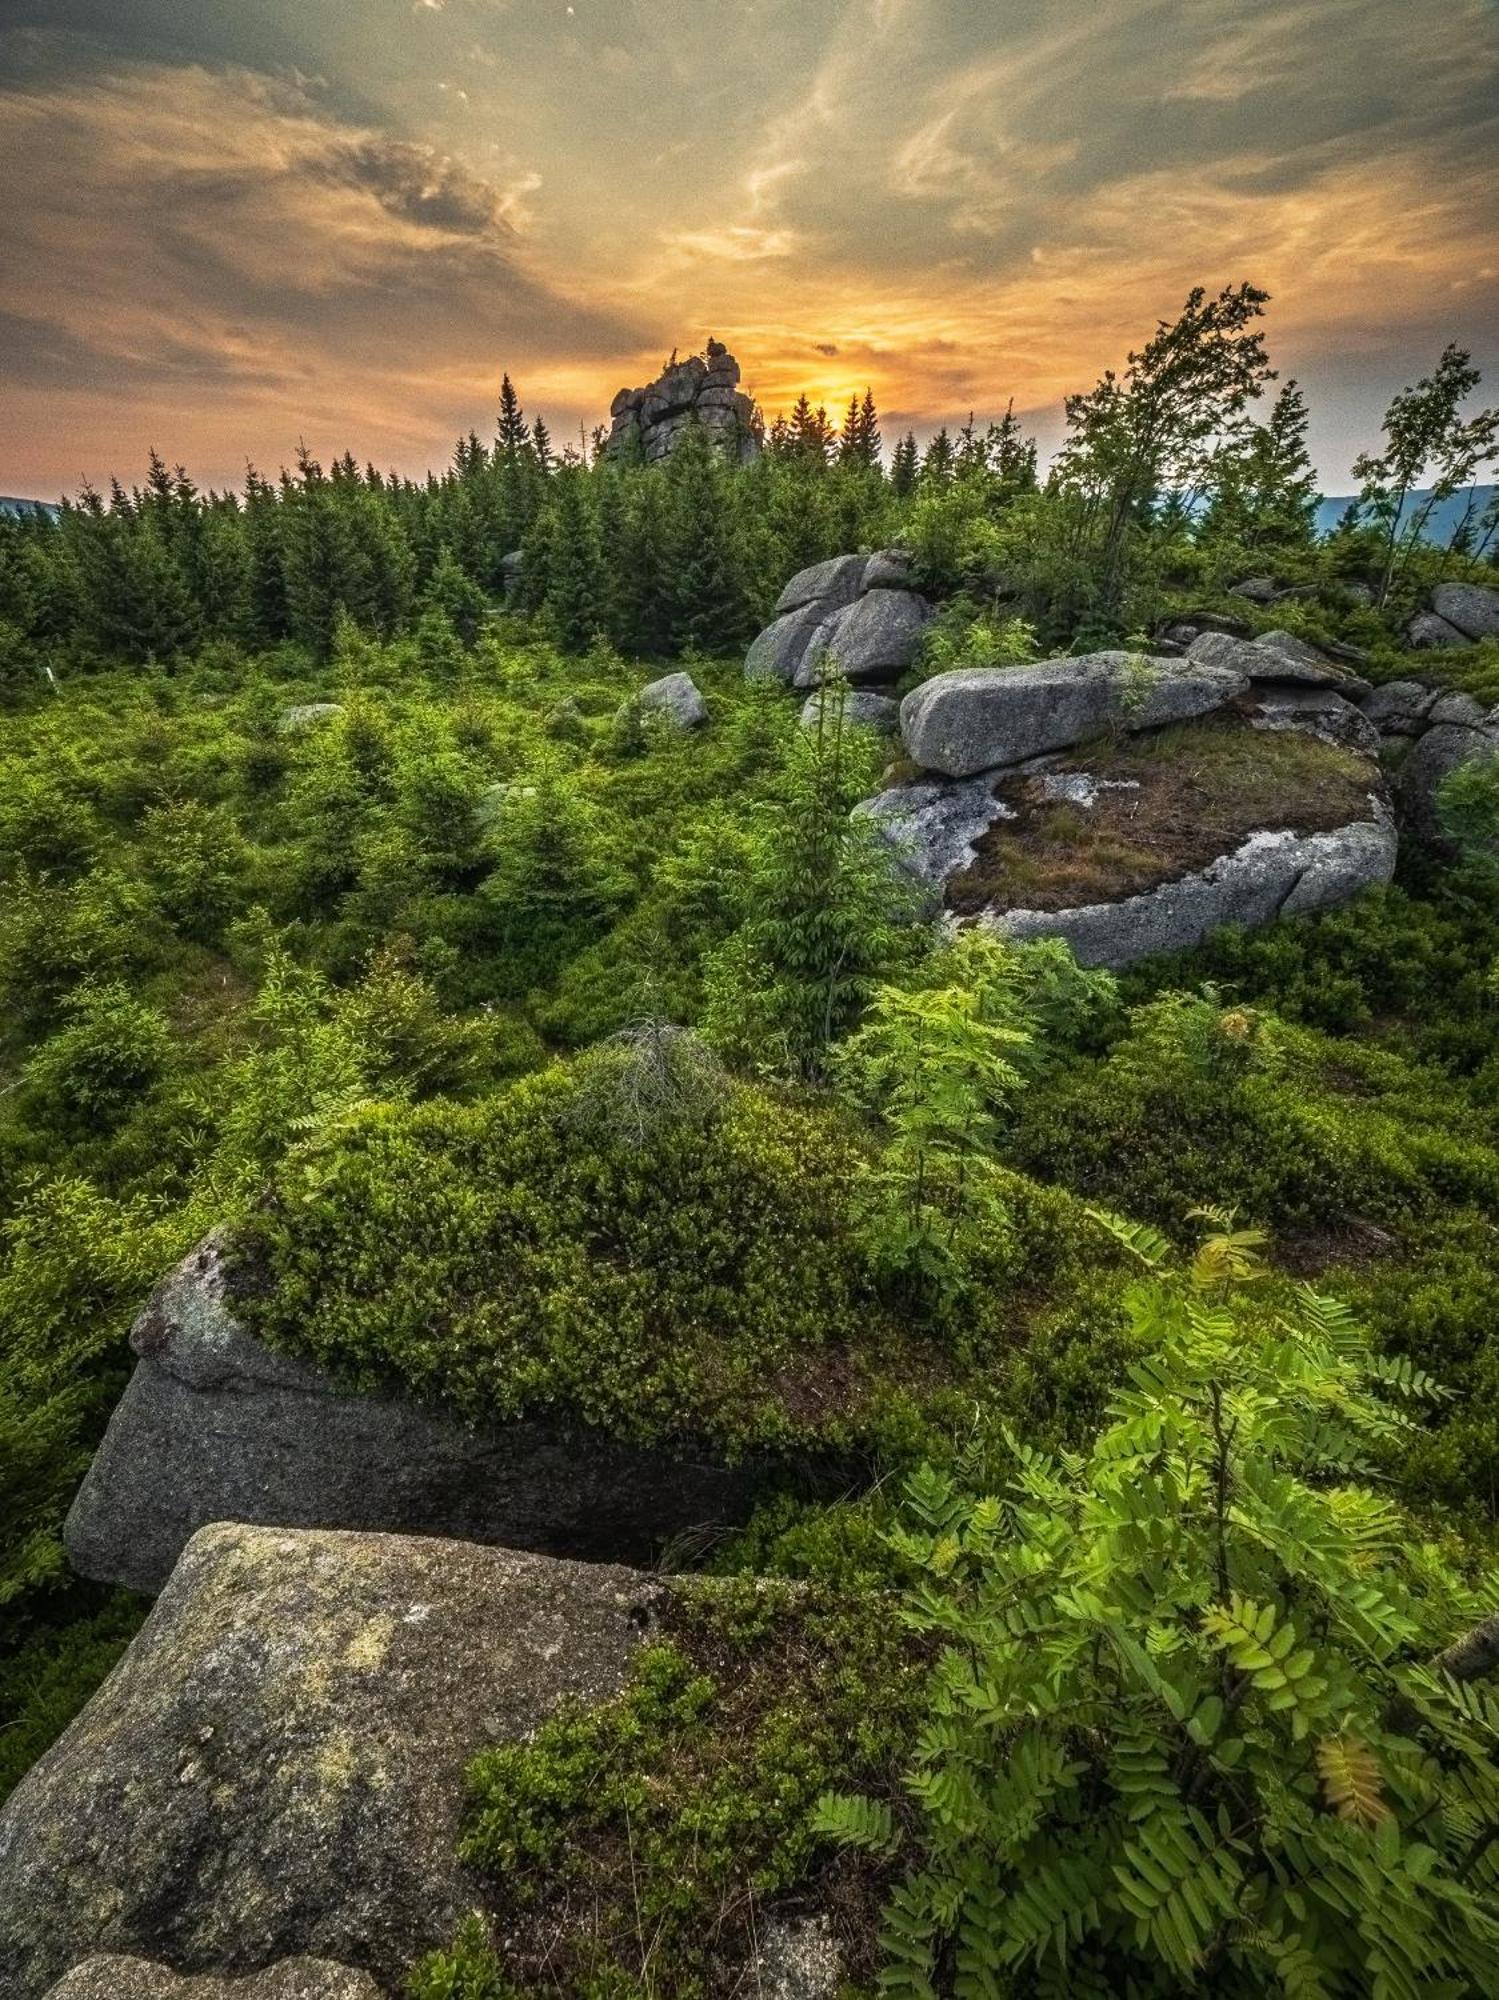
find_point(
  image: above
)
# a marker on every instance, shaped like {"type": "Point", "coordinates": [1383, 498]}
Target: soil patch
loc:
{"type": "Point", "coordinates": [1166, 806]}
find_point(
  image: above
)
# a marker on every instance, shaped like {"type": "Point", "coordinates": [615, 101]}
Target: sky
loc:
{"type": "Point", "coordinates": [227, 225]}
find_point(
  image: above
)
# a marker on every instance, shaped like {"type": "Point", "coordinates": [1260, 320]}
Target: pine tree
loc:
{"type": "Point", "coordinates": [812, 436]}
{"type": "Point", "coordinates": [137, 602]}
{"type": "Point", "coordinates": [849, 448]}
{"type": "Point", "coordinates": [905, 466]}
{"type": "Point", "coordinates": [1264, 491]}
{"type": "Point", "coordinates": [453, 592]}
{"type": "Point", "coordinates": [826, 910]}
{"type": "Point", "coordinates": [1011, 456]}
{"type": "Point", "coordinates": [269, 613]}
{"type": "Point", "coordinates": [514, 433]}
{"type": "Point", "coordinates": [871, 444]}
{"type": "Point", "coordinates": [710, 613]}
{"type": "Point", "coordinates": [541, 448]}
{"type": "Point", "coordinates": [573, 562]}
{"type": "Point", "coordinates": [646, 576]}
{"type": "Point", "coordinates": [939, 460]}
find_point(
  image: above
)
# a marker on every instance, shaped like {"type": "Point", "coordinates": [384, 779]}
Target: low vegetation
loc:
{"type": "Point", "coordinates": [542, 1058]}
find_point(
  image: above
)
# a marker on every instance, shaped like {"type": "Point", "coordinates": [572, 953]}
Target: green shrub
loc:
{"type": "Point", "coordinates": [1202, 1101]}
{"type": "Point", "coordinates": [1193, 1727]}
{"type": "Point", "coordinates": [502, 1258]}
{"type": "Point", "coordinates": [45, 1682]}
{"type": "Point", "coordinates": [113, 1050]}
{"type": "Point", "coordinates": [630, 1848]}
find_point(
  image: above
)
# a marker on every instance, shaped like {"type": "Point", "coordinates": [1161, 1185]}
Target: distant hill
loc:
{"type": "Point", "coordinates": [9, 504]}
{"type": "Point", "coordinates": [1444, 516]}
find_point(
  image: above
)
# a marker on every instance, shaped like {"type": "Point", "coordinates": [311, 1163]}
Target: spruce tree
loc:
{"type": "Point", "coordinates": [450, 590]}
{"type": "Point", "coordinates": [514, 433]}
{"type": "Point", "coordinates": [939, 459]}
{"type": "Point", "coordinates": [573, 566]}
{"type": "Point", "coordinates": [710, 613]}
{"type": "Point", "coordinates": [905, 466]}
{"type": "Point", "coordinates": [646, 577]}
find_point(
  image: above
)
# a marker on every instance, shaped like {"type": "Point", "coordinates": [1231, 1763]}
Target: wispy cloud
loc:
{"type": "Point", "coordinates": [948, 201]}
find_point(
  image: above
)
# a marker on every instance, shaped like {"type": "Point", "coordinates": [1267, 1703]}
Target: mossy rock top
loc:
{"type": "Point", "coordinates": [1152, 809]}
{"type": "Point", "coordinates": [506, 1258]}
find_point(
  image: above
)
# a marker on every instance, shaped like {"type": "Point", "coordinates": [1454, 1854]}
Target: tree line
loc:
{"type": "Point", "coordinates": [1180, 469]}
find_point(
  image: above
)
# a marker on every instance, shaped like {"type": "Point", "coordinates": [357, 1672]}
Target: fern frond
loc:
{"type": "Point", "coordinates": [1352, 1780]}
{"type": "Point", "coordinates": [1148, 1246]}
{"type": "Point", "coordinates": [856, 1821]}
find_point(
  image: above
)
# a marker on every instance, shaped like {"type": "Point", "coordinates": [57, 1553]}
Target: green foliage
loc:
{"type": "Point", "coordinates": [824, 910]}
{"type": "Point", "coordinates": [1427, 441]}
{"type": "Point", "coordinates": [670, 1814]}
{"type": "Point", "coordinates": [77, 1266]}
{"type": "Point", "coordinates": [111, 1052]}
{"type": "Point", "coordinates": [1202, 1100]}
{"type": "Point", "coordinates": [940, 1071]}
{"type": "Point", "coordinates": [45, 1682]}
{"type": "Point", "coordinates": [731, 1256]}
{"type": "Point", "coordinates": [1468, 804]}
{"type": "Point", "coordinates": [1183, 1729]}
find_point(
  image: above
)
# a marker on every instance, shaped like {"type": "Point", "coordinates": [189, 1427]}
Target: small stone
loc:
{"type": "Point", "coordinates": [860, 707]}
{"type": "Point", "coordinates": [674, 698]}
{"type": "Point", "coordinates": [1399, 708]}
{"type": "Point", "coordinates": [1427, 633]}
{"type": "Point", "coordinates": [889, 569]}
{"type": "Point", "coordinates": [306, 715]}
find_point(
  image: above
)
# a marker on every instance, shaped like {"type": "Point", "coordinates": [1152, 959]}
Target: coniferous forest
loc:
{"type": "Point", "coordinates": [1100, 1367]}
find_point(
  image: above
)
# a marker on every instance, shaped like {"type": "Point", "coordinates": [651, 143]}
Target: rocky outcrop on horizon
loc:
{"type": "Point", "coordinates": [704, 389]}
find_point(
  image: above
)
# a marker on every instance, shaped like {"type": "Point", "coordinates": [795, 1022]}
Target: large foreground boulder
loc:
{"type": "Point", "coordinates": [214, 1426]}
{"type": "Point", "coordinates": [987, 718]}
{"type": "Point", "coordinates": [112, 1977]}
{"type": "Point", "coordinates": [276, 1766]}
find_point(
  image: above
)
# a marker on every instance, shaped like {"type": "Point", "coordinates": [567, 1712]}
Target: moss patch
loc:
{"type": "Point", "coordinates": [710, 1284]}
{"type": "Point", "coordinates": [1185, 797]}
{"type": "Point", "coordinates": [640, 1847]}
